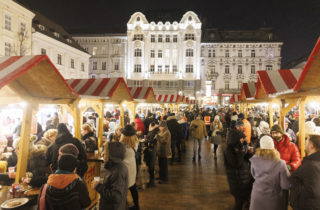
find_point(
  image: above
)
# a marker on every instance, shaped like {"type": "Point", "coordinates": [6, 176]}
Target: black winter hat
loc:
{"type": "Point", "coordinates": [276, 128]}
{"type": "Point", "coordinates": [239, 123]}
{"type": "Point", "coordinates": [129, 131]}
{"type": "Point", "coordinates": [116, 150]}
{"type": "Point", "coordinates": [241, 116]}
{"type": "Point", "coordinates": [67, 162]}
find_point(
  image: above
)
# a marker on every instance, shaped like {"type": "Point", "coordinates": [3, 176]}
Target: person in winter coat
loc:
{"type": "Point", "coordinates": [140, 125]}
{"type": "Point", "coordinates": [113, 190]}
{"type": "Point", "coordinates": [130, 140]}
{"type": "Point", "coordinates": [150, 153]}
{"type": "Point", "coordinates": [289, 152]}
{"type": "Point", "coordinates": [217, 129]}
{"type": "Point", "coordinates": [289, 131]}
{"type": "Point", "coordinates": [147, 121]}
{"type": "Point", "coordinates": [198, 132]}
{"type": "Point", "coordinates": [48, 137]}
{"type": "Point", "coordinates": [234, 119]}
{"type": "Point", "coordinates": [271, 177]}
{"type": "Point", "coordinates": [37, 166]}
{"type": "Point", "coordinates": [236, 160]}
{"type": "Point", "coordinates": [247, 127]}
{"type": "Point", "coordinates": [64, 137]}
{"type": "Point", "coordinates": [176, 133]}
{"type": "Point", "coordinates": [89, 140]}
{"type": "Point", "coordinates": [163, 151]}
{"type": "Point", "coordinates": [64, 189]}
{"type": "Point", "coordinates": [305, 181]}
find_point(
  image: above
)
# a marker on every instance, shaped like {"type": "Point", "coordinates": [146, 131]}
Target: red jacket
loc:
{"type": "Point", "coordinates": [140, 125]}
{"type": "Point", "coordinates": [289, 152]}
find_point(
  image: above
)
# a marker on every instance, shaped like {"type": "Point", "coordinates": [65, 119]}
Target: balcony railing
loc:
{"type": "Point", "coordinates": [226, 76]}
{"type": "Point", "coordinates": [253, 77]}
{"type": "Point", "coordinates": [240, 76]}
{"type": "Point", "coordinates": [212, 76]}
{"type": "Point", "coordinates": [163, 73]}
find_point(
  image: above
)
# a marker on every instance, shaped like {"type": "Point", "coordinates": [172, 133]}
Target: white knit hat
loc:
{"type": "Point", "coordinates": [266, 142]}
{"type": "Point", "coordinates": [216, 117]}
{"type": "Point", "coordinates": [310, 128]}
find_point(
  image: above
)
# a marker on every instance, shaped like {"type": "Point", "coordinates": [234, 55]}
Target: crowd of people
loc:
{"type": "Point", "coordinates": [263, 163]}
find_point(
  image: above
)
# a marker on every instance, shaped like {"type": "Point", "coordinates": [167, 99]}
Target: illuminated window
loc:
{"type": "Point", "coordinates": [104, 66]}
{"type": "Point", "coordinates": [253, 69]}
{"type": "Point", "coordinates": [189, 36]}
{"type": "Point", "coordinates": [159, 38]}
{"type": "Point", "coordinates": [153, 38]}
{"type": "Point", "coordinates": [189, 53]}
{"type": "Point", "coordinates": [175, 38]}
{"type": "Point", "coordinates": [189, 68]}
{"type": "Point", "coordinates": [253, 53]}
{"type": "Point", "coordinates": [137, 53]}
{"type": "Point", "coordinates": [7, 22]}
{"type": "Point", "coordinates": [138, 37]}
{"type": "Point", "coordinates": [137, 68]}
{"type": "Point", "coordinates": [239, 69]}
{"type": "Point", "coordinates": [226, 69]}
{"type": "Point", "coordinates": [167, 38]}
{"type": "Point", "coordinates": [152, 53]}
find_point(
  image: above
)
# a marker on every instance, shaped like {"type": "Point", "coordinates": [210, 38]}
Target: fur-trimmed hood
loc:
{"type": "Point", "coordinates": [37, 151]}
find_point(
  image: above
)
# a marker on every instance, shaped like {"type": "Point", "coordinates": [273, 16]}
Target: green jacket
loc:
{"type": "Point", "coordinates": [198, 129]}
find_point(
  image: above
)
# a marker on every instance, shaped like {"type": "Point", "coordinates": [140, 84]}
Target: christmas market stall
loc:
{"type": "Point", "coordinates": [25, 83]}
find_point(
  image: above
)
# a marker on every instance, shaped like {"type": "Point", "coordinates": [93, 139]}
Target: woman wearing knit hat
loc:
{"type": "Point", "coordinates": [271, 178]}
{"type": "Point", "coordinates": [130, 140]}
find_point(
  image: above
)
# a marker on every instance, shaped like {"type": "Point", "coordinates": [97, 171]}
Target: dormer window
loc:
{"type": "Point", "coordinates": [56, 34]}
{"type": "Point", "coordinates": [42, 27]}
{"type": "Point", "coordinates": [190, 18]}
{"type": "Point", "coordinates": [138, 18]}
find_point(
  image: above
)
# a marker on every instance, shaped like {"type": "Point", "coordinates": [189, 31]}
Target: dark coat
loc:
{"type": "Point", "coordinates": [90, 142]}
{"type": "Point", "coordinates": [37, 165]}
{"type": "Point", "coordinates": [175, 129]}
{"type": "Point", "coordinates": [146, 123]}
{"type": "Point", "coordinates": [305, 184]}
{"type": "Point", "coordinates": [113, 191]}
{"type": "Point", "coordinates": [237, 166]}
{"type": "Point", "coordinates": [53, 153]}
{"type": "Point", "coordinates": [67, 191]}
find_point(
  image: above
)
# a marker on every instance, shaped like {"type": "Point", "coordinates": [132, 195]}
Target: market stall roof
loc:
{"type": "Point", "coordinates": [277, 82]}
{"type": "Point", "coordinates": [235, 98]}
{"type": "Point", "coordinates": [110, 89]}
{"type": "Point", "coordinates": [183, 99]}
{"type": "Point", "coordinates": [309, 78]}
{"type": "Point", "coordinates": [33, 78]}
{"type": "Point", "coordinates": [248, 91]}
{"type": "Point", "coordinates": [187, 100]}
{"type": "Point", "coordinates": [143, 94]}
{"type": "Point", "coordinates": [173, 98]}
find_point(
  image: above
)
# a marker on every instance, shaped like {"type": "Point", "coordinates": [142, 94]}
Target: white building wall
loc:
{"type": "Point", "coordinates": [111, 49]}
{"type": "Point", "coordinates": [54, 47]}
{"type": "Point", "coordinates": [267, 54]}
{"type": "Point", "coordinates": [20, 43]}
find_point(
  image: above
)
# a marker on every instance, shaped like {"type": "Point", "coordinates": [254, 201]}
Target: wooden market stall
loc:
{"type": "Point", "coordinates": [32, 80]}
{"type": "Point", "coordinates": [95, 93]}
{"type": "Point", "coordinates": [142, 95]}
{"type": "Point", "coordinates": [248, 91]}
{"type": "Point", "coordinates": [306, 89]}
{"type": "Point", "coordinates": [171, 101]}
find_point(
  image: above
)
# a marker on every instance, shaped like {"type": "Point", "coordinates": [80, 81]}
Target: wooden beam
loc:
{"type": "Point", "coordinates": [101, 121]}
{"type": "Point", "coordinates": [270, 114]}
{"type": "Point", "coordinates": [302, 133]}
{"type": "Point", "coordinates": [121, 116]}
{"type": "Point", "coordinates": [24, 143]}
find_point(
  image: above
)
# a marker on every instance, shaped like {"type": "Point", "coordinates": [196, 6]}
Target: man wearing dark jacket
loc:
{"type": "Point", "coordinates": [176, 133]}
{"type": "Point", "coordinates": [64, 137]}
{"type": "Point", "coordinates": [113, 191]}
{"type": "Point", "coordinates": [148, 121]}
{"type": "Point", "coordinates": [236, 159]}
{"type": "Point", "coordinates": [305, 181]}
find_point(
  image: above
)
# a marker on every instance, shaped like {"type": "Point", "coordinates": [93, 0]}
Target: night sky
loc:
{"type": "Point", "coordinates": [295, 22]}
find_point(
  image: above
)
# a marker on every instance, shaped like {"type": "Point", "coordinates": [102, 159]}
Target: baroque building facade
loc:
{"type": "Point", "coordinates": [181, 57]}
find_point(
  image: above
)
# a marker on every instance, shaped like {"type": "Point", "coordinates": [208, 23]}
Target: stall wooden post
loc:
{"type": "Point", "coordinates": [101, 121]}
{"type": "Point", "coordinates": [25, 141]}
{"type": "Point", "coordinates": [302, 133]}
{"type": "Point", "coordinates": [270, 114]}
{"type": "Point", "coordinates": [121, 116]}
{"type": "Point", "coordinates": [77, 117]}
{"type": "Point", "coordinates": [132, 107]}
{"type": "Point", "coordinates": [246, 110]}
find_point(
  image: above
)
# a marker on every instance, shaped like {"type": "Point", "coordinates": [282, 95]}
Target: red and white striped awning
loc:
{"type": "Point", "coordinates": [142, 93]}
{"type": "Point", "coordinates": [249, 90]}
{"type": "Point", "coordinates": [173, 98]}
{"type": "Point", "coordinates": [280, 81]}
{"type": "Point", "coordinates": [102, 87]}
{"type": "Point", "coordinates": [36, 76]}
{"type": "Point", "coordinates": [235, 98]}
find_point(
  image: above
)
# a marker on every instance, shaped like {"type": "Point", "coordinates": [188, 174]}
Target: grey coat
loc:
{"type": "Point", "coordinates": [164, 143]}
{"type": "Point", "coordinates": [271, 181]}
